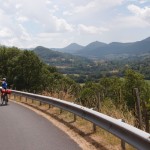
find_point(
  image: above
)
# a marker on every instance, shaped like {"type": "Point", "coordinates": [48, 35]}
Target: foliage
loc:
{"type": "Point", "coordinates": [61, 60]}
{"type": "Point", "coordinates": [7, 56]}
{"type": "Point", "coordinates": [92, 70]}
{"type": "Point", "coordinates": [24, 70]}
{"type": "Point", "coordinates": [134, 80]}
{"type": "Point", "coordinates": [87, 97]}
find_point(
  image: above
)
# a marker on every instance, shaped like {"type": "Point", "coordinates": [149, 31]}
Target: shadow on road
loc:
{"type": "Point", "coordinates": [3, 105]}
{"type": "Point", "coordinates": [86, 136]}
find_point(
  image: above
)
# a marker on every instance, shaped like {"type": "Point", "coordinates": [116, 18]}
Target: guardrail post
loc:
{"type": "Point", "coordinates": [123, 147]}
{"type": "Point", "coordinates": [26, 99]}
{"type": "Point", "coordinates": [40, 103]}
{"type": "Point", "coordinates": [74, 117]}
{"type": "Point", "coordinates": [14, 97]}
{"type": "Point", "coordinates": [60, 111]}
{"type": "Point", "coordinates": [94, 128]}
{"type": "Point", "coordinates": [32, 100]}
{"type": "Point", "coordinates": [49, 106]}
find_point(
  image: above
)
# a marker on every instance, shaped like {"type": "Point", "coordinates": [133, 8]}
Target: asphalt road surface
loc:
{"type": "Point", "coordinates": [23, 129]}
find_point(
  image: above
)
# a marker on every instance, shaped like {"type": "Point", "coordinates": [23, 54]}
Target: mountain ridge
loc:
{"type": "Point", "coordinates": [113, 50]}
{"type": "Point", "coordinates": [73, 47]}
{"type": "Point", "coordinates": [117, 49]}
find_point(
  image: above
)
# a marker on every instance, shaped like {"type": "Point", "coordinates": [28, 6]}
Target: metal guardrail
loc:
{"type": "Point", "coordinates": [133, 136]}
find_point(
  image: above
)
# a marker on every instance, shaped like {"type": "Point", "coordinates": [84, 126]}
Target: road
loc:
{"type": "Point", "coordinates": [23, 129]}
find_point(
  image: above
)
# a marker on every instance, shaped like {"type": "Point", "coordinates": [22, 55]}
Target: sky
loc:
{"type": "Point", "coordinates": [58, 23]}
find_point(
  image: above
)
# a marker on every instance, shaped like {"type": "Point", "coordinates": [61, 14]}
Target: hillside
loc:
{"type": "Point", "coordinates": [115, 49]}
{"type": "Point", "coordinates": [134, 55]}
{"type": "Point", "coordinates": [72, 48]}
{"type": "Point", "coordinates": [60, 59]}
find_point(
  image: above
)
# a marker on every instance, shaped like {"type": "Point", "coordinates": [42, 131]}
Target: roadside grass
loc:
{"type": "Point", "coordinates": [101, 139]}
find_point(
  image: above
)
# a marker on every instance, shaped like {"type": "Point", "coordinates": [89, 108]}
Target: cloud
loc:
{"type": "Point", "coordinates": [48, 2]}
{"type": "Point", "coordinates": [136, 19]}
{"type": "Point", "coordinates": [130, 22]}
{"type": "Point", "coordinates": [143, 13]}
{"type": "Point", "coordinates": [91, 29]}
{"type": "Point", "coordinates": [19, 19]}
{"type": "Point", "coordinates": [88, 9]}
{"type": "Point", "coordinates": [15, 36]}
{"type": "Point", "coordinates": [138, 1]}
{"type": "Point", "coordinates": [31, 23]}
{"type": "Point", "coordinates": [27, 11]}
{"type": "Point", "coordinates": [143, 1]}
{"type": "Point", "coordinates": [85, 8]}
{"type": "Point", "coordinates": [5, 33]}
{"type": "Point", "coordinates": [67, 13]}
{"type": "Point", "coordinates": [97, 5]}
{"type": "Point", "coordinates": [61, 25]}
{"type": "Point", "coordinates": [56, 39]}
{"type": "Point", "coordinates": [24, 35]}
{"type": "Point", "coordinates": [22, 19]}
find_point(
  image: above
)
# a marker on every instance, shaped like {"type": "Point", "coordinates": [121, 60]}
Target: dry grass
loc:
{"type": "Point", "coordinates": [120, 112]}
{"type": "Point", "coordinates": [101, 139]}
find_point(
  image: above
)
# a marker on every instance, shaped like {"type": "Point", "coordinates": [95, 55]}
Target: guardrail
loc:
{"type": "Point", "coordinates": [133, 136]}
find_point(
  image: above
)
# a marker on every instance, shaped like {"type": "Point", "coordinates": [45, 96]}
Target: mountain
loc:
{"type": "Point", "coordinates": [46, 53]}
{"type": "Point", "coordinates": [88, 50]}
{"type": "Point", "coordinates": [115, 49]}
{"type": "Point", "coordinates": [134, 54]}
{"type": "Point", "coordinates": [60, 59]}
{"type": "Point", "coordinates": [72, 48]}
{"type": "Point", "coordinates": [147, 39]}
{"type": "Point", "coordinates": [95, 44]}
{"type": "Point", "coordinates": [98, 50]}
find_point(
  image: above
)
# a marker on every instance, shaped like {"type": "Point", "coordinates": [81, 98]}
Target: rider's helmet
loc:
{"type": "Point", "coordinates": [4, 79]}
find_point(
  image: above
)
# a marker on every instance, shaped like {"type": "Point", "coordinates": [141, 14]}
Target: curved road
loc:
{"type": "Point", "coordinates": [23, 129]}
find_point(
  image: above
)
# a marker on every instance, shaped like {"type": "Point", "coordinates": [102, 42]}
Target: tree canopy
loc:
{"type": "Point", "coordinates": [24, 70]}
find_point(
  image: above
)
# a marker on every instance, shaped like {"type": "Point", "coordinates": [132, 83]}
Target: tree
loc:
{"type": "Point", "coordinates": [132, 80]}
{"type": "Point", "coordinates": [106, 84]}
{"type": "Point", "coordinates": [87, 98]}
{"type": "Point", "coordinates": [7, 58]}
{"type": "Point", "coordinates": [28, 72]}
{"type": "Point", "coordinates": [90, 95]}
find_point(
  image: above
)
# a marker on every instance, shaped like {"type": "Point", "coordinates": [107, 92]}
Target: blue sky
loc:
{"type": "Point", "coordinates": [57, 23]}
